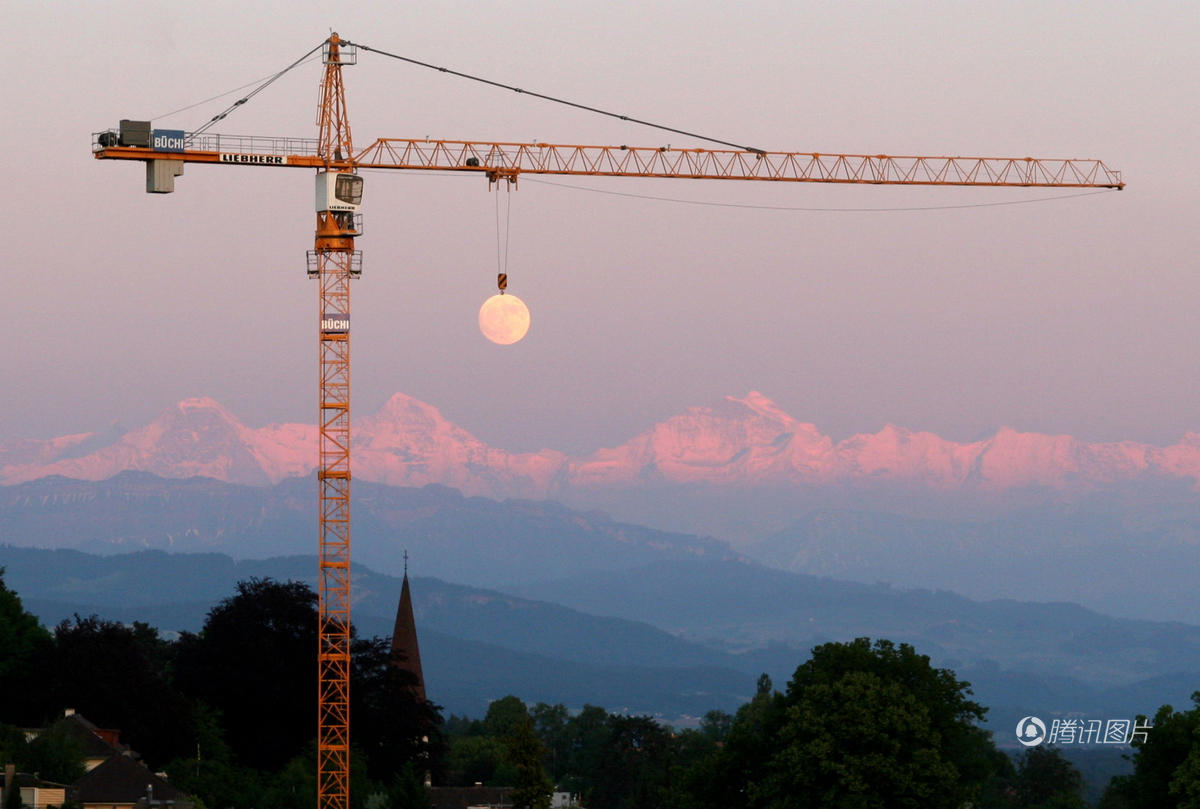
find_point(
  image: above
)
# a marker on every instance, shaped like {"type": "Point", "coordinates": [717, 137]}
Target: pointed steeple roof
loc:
{"type": "Point", "coordinates": [406, 654]}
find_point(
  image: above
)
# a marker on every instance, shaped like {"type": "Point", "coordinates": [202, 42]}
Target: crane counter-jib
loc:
{"type": "Point", "coordinates": [488, 157]}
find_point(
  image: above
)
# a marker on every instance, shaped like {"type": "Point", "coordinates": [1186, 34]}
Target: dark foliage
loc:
{"type": "Point", "coordinates": [860, 724]}
{"type": "Point", "coordinates": [1166, 773]}
{"type": "Point", "coordinates": [392, 725]}
{"type": "Point", "coordinates": [55, 755]}
{"type": "Point", "coordinates": [1046, 780]}
{"type": "Point", "coordinates": [24, 661]}
{"type": "Point", "coordinates": [635, 765]}
{"type": "Point", "coordinates": [255, 663]}
{"type": "Point", "coordinates": [119, 677]}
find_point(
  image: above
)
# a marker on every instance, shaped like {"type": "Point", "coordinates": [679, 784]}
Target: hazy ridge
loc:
{"type": "Point", "coordinates": [671, 639]}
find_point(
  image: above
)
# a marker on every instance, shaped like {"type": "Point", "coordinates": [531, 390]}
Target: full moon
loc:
{"type": "Point", "coordinates": [504, 319]}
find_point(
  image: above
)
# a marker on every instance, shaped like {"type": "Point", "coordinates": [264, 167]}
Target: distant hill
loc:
{"type": "Point", "coordinates": [1102, 550]}
{"type": "Point", "coordinates": [671, 639]}
{"type": "Point", "coordinates": [476, 645]}
{"type": "Point", "coordinates": [474, 540]}
{"type": "Point", "coordinates": [1022, 658]}
{"type": "Point", "coordinates": [742, 606]}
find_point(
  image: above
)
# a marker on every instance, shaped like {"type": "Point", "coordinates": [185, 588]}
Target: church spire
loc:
{"type": "Point", "coordinates": [406, 654]}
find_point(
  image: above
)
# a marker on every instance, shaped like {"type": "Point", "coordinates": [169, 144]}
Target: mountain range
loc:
{"type": "Point", "coordinates": [472, 540]}
{"type": "Point", "coordinates": [1016, 515]}
{"type": "Point", "coordinates": [747, 442]}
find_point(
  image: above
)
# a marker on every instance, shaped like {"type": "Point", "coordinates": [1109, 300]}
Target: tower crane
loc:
{"type": "Point", "coordinates": [334, 263]}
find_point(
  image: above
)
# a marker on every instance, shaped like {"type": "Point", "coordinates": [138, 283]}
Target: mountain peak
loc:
{"type": "Point", "coordinates": [399, 402]}
{"type": "Point", "coordinates": [199, 413]}
{"type": "Point", "coordinates": [200, 403]}
{"type": "Point", "coordinates": [405, 420]}
{"type": "Point", "coordinates": [763, 406]}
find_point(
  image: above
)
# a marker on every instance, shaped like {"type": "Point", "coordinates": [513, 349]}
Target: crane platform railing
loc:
{"type": "Point", "coordinates": [214, 142]}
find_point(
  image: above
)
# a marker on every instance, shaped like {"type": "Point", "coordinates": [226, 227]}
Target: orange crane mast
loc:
{"type": "Point", "coordinates": [339, 194]}
{"type": "Point", "coordinates": [334, 262]}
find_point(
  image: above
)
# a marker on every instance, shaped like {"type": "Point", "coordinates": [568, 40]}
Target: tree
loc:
{"type": "Point", "coordinates": [391, 723]}
{"type": "Point", "coordinates": [462, 726]}
{"type": "Point", "coordinates": [550, 724]}
{"type": "Point", "coordinates": [524, 751]}
{"type": "Point", "coordinates": [1185, 781]}
{"type": "Point", "coordinates": [24, 654]}
{"type": "Point", "coordinates": [12, 745]}
{"type": "Point", "coordinates": [474, 759]}
{"type": "Point", "coordinates": [210, 773]}
{"type": "Point", "coordinates": [1046, 780]}
{"type": "Point", "coordinates": [55, 755]}
{"type": "Point", "coordinates": [588, 735]}
{"type": "Point", "coordinates": [255, 663]}
{"type": "Point", "coordinates": [694, 756]}
{"type": "Point", "coordinates": [295, 784]}
{"type": "Point", "coordinates": [1166, 764]}
{"type": "Point", "coordinates": [504, 716]}
{"type": "Point", "coordinates": [855, 739]}
{"type": "Point", "coordinates": [861, 725]}
{"type": "Point", "coordinates": [509, 725]}
{"type": "Point", "coordinates": [726, 778]}
{"type": "Point", "coordinates": [716, 725]}
{"type": "Point", "coordinates": [868, 722]}
{"type": "Point", "coordinates": [117, 676]}
{"type": "Point", "coordinates": [635, 767]}
{"type": "Point", "coordinates": [408, 789]}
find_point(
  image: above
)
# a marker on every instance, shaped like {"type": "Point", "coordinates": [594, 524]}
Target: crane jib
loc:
{"type": "Point", "coordinates": [491, 157]}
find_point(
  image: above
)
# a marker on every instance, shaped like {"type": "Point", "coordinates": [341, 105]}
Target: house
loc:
{"type": "Point", "coordinates": [476, 797]}
{"type": "Point", "coordinates": [98, 744]}
{"type": "Point", "coordinates": [481, 797]}
{"type": "Point", "coordinates": [35, 793]}
{"type": "Point", "coordinates": [123, 783]}
{"type": "Point", "coordinates": [115, 777]}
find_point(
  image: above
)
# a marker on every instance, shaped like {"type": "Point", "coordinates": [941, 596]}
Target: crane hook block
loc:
{"type": "Point", "coordinates": [502, 282]}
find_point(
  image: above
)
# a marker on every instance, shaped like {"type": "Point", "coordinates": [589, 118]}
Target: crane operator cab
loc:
{"type": "Point", "coordinates": [339, 195]}
{"type": "Point", "coordinates": [338, 191]}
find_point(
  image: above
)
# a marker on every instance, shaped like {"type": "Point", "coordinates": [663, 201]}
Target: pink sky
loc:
{"type": "Point", "coordinates": [1072, 316]}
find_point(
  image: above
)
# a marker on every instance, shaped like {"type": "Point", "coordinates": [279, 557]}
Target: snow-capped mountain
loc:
{"type": "Point", "coordinates": [195, 438]}
{"type": "Point", "coordinates": [410, 443]}
{"type": "Point", "coordinates": [745, 442]}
